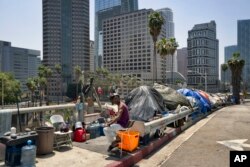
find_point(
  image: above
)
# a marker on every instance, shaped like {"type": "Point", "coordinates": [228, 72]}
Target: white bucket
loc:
{"type": "Point", "coordinates": [78, 125]}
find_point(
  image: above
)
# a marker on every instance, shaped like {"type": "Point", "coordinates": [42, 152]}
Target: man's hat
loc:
{"type": "Point", "coordinates": [113, 95]}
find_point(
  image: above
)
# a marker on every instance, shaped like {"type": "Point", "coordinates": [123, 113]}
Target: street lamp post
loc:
{"type": "Point", "coordinates": [205, 77]}
{"type": "Point", "coordinates": [205, 81]}
{"type": "Point", "coordinates": [2, 94]}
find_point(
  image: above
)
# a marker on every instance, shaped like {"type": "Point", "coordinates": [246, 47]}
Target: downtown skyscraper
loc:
{"type": "Point", "coordinates": [228, 54]}
{"type": "Point", "coordinates": [105, 9]}
{"type": "Point", "coordinates": [168, 17]}
{"type": "Point", "coordinates": [128, 46]}
{"type": "Point", "coordinates": [65, 39]}
{"type": "Point", "coordinates": [203, 57]}
{"type": "Point", "coordinates": [243, 41]}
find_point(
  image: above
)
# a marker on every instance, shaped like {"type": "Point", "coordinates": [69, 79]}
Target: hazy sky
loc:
{"type": "Point", "coordinates": [21, 20]}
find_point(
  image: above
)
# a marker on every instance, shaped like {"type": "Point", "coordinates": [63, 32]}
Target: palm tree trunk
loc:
{"type": "Point", "coordinates": [47, 93]}
{"type": "Point", "coordinates": [236, 86]}
{"type": "Point", "coordinates": [76, 89]}
{"type": "Point", "coordinates": [224, 81]}
{"type": "Point", "coordinates": [58, 90]}
{"type": "Point", "coordinates": [172, 70]}
{"type": "Point", "coordinates": [61, 87]}
{"type": "Point", "coordinates": [32, 98]}
{"type": "Point", "coordinates": [155, 67]}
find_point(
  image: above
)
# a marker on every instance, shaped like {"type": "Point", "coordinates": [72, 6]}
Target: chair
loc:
{"type": "Point", "coordinates": [60, 138]}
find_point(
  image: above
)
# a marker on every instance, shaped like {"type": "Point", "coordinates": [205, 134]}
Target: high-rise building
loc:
{"type": "Point", "coordinates": [22, 63]}
{"type": "Point", "coordinates": [228, 53]}
{"type": "Point", "coordinates": [203, 57]}
{"type": "Point", "coordinates": [167, 15]}
{"type": "Point", "coordinates": [128, 46]}
{"type": "Point", "coordinates": [105, 9]}
{"type": "Point", "coordinates": [182, 61]}
{"type": "Point", "coordinates": [92, 54]}
{"type": "Point", "coordinates": [65, 40]}
{"type": "Point", "coordinates": [243, 42]}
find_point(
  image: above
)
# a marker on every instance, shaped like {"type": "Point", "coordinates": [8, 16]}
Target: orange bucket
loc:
{"type": "Point", "coordinates": [129, 140]}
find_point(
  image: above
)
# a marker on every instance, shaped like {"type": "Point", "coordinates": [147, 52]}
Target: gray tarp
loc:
{"type": "Point", "coordinates": [171, 97]}
{"type": "Point", "coordinates": [144, 103]}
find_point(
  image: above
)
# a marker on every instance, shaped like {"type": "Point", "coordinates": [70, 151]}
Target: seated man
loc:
{"type": "Point", "coordinates": [119, 122]}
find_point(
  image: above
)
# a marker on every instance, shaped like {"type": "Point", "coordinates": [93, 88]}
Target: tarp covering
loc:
{"type": "Point", "coordinates": [171, 97]}
{"type": "Point", "coordinates": [204, 100]}
{"type": "Point", "coordinates": [204, 94]}
{"type": "Point", "coordinates": [144, 103]}
{"type": "Point", "coordinates": [205, 104]}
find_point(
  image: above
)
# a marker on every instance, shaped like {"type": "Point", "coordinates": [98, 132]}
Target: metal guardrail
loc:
{"type": "Point", "coordinates": [45, 110]}
{"type": "Point", "coordinates": [39, 109]}
{"type": "Point", "coordinates": [151, 127]}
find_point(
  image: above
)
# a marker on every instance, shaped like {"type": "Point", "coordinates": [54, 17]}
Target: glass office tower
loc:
{"type": "Point", "coordinates": [105, 9]}
{"type": "Point", "coordinates": [228, 53]}
{"type": "Point", "coordinates": [65, 40]}
{"type": "Point", "coordinates": [203, 57]}
{"type": "Point", "coordinates": [244, 48]}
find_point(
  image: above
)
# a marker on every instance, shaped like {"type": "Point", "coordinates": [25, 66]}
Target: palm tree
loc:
{"type": "Point", "coordinates": [155, 22]}
{"type": "Point", "coordinates": [58, 69]}
{"type": "Point", "coordinates": [78, 73]}
{"type": "Point", "coordinates": [167, 47]}
{"type": "Point", "coordinates": [224, 68]}
{"type": "Point", "coordinates": [44, 73]}
{"type": "Point", "coordinates": [236, 65]}
{"type": "Point", "coordinates": [3, 85]}
{"type": "Point", "coordinates": [31, 85]}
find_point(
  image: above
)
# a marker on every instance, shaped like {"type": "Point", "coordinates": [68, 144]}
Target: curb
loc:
{"type": "Point", "coordinates": [140, 154]}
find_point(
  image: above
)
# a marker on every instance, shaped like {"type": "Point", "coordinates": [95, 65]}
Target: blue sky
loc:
{"type": "Point", "coordinates": [21, 20]}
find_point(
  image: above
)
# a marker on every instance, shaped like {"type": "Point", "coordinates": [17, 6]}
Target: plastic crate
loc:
{"type": "Point", "coordinates": [129, 140]}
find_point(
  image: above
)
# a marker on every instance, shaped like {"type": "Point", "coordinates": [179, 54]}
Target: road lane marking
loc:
{"type": "Point", "coordinates": [235, 144]}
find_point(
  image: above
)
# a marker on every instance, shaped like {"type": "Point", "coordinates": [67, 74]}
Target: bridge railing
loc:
{"type": "Point", "coordinates": [37, 116]}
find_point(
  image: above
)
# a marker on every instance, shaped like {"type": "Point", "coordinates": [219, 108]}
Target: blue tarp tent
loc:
{"type": "Point", "coordinates": [206, 101]}
{"type": "Point", "coordinates": [204, 105]}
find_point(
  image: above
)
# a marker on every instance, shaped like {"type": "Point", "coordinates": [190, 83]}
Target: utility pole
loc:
{"type": "Point", "coordinates": [205, 81]}
{"type": "Point", "coordinates": [2, 94]}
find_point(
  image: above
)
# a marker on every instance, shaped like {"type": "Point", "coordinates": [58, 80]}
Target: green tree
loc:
{"type": "Point", "coordinates": [167, 47]}
{"type": "Point", "coordinates": [155, 22]}
{"type": "Point", "coordinates": [236, 65]}
{"type": "Point", "coordinates": [58, 70]}
{"type": "Point", "coordinates": [224, 68]}
{"type": "Point", "coordinates": [44, 73]}
{"type": "Point", "coordinates": [10, 88]}
{"type": "Point", "coordinates": [31, 85]}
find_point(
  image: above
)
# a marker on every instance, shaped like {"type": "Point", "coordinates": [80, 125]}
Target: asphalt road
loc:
{"type": "Point", "coordinates": [198, 146]}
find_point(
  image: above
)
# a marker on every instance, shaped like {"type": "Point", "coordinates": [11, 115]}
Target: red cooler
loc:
{"type": "Point", "coordinates": [80, 135]}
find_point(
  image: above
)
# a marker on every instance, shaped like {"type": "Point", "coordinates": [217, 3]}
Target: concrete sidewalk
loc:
{"type": "Point", "coordinates": [76, 157]}
{"type": "Point", "coordinates": [93, 152]}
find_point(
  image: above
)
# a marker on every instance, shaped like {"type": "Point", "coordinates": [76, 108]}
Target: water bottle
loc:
{"type": "Point", "coordinates": [28, 156]}
{"type": "Point", "coordinates": [13, 130]}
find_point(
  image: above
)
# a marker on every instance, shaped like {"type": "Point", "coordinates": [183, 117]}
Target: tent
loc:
{"type": "Point", "coordinates": [204, 105]}
{"type": "Point", "coordinates": [171, 97]}
{"type": "Point", "coordinates": [144, 103]}
{"type": "Point", "coordinates": [204, 94]}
